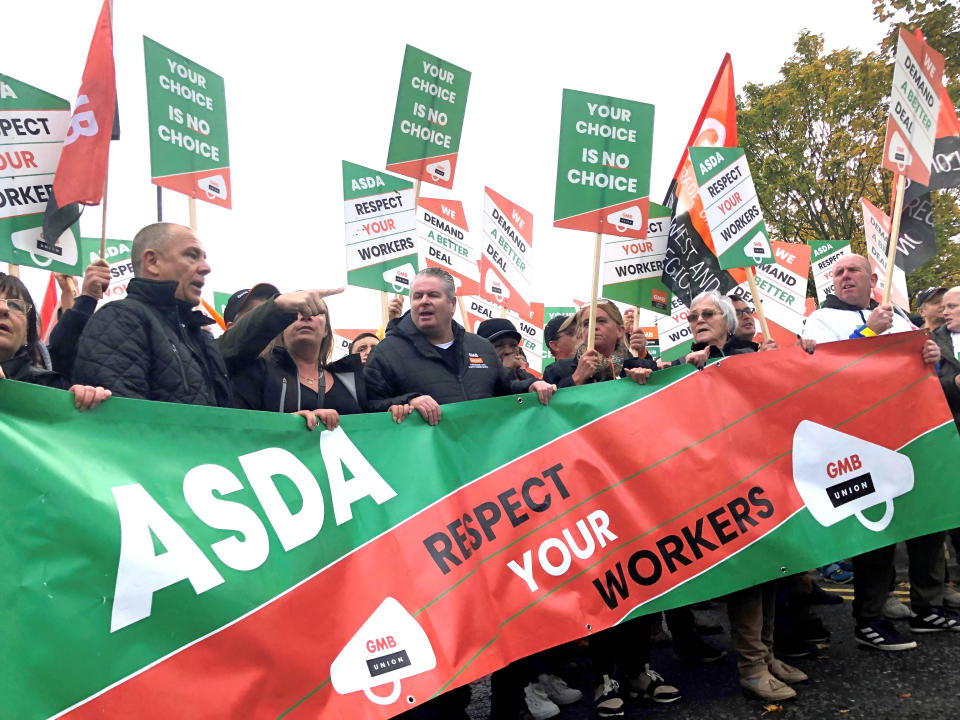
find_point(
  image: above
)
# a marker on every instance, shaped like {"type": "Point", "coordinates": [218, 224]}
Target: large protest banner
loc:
{"type": "Point", "coordinates": [914, 108]}
{"type": "Point", "coordinates": [282, 573]}
{"type": "Point", "coordinates": [33, 124]}
{"type": "Point", "coordinates": [442, 232]}
{"type": "Point", "coordinates": [603, 165]}
{"type": "Point", "coordinates": [506, 254]}
{"type": "Point", "coordinates": [876, 227]}
{"type": "Point", "coordinates": [381, 229]}
{"type": "Point", "coordinates": [632, 268]}
{"type": "Point", "coordinates": [428, 120]}
{"type": "Point", "coordinates": [824, 254]}
{"type": "Point", "coordinates": [187, 113]}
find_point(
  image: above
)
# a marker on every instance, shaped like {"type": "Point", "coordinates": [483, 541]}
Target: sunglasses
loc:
{"type": "Point", "coordinates": [692, 317]}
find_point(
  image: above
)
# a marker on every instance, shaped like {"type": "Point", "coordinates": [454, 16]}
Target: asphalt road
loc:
{"type": "Point", "coordinates": [846, 680]}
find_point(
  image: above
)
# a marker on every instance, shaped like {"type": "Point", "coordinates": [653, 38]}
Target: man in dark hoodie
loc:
{"type": "Point", "coordinates": [851, 313]}
{"type": "Point", "coordinates": [428, 360]}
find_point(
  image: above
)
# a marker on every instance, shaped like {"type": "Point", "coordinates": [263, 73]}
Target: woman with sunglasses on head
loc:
{"type": "Point", "coordinates": [20, 357]}
{"type": "Point", "coordinates": [294, 375]}
{"type": "Point", "coordinates": [621, 653]}
{"type": "Point", "coordinates": [610, 357]}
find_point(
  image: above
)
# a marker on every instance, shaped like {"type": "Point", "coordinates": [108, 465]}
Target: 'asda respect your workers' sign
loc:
{"type": "Point", "coordinates": [603, 165]}
{"type": "Point", "coordinates": [187, 112]}
{"type": "Point", "coordinates": [33, 124]}
{"type": "Point", "coordinates": [381, 229]}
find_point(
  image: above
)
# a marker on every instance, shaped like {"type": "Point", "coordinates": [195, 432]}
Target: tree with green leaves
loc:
{"type": "Point", "coordinates": [814, 141]}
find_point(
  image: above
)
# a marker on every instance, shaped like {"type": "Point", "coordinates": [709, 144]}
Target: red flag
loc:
{"type": "Point", "coordinates": [690, 265]}
{"type": "Point", "coordinates": [82, 170]}
{"type": "Point", "coordinates": [48, 311]}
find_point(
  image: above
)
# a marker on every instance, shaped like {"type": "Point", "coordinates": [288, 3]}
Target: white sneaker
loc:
{"type": "Point", "coordinates": [558, 690]}
{"type": "Point", "coordinates": [539, 705]}
{"type": "Point", "coordinates": [893, 609]}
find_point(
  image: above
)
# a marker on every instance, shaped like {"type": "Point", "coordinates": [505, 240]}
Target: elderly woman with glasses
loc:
{"type": "Point", "coordinates": [20, 357]}
{"type": "Point", "coordinates": [715, 326]}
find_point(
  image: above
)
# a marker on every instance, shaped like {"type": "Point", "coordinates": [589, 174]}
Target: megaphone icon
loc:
{"type": "Point", "coordinates": [898, 153]}
{"type": "Point", "coordinates": [400, 278]}
{"type": "Point", "coordinates": [439, 170]}
{"type": "Point", "coordinates": [214, 186]}
{"type": "Point", "coordinates": [757, 249]}
{"type": "Point", "coordinates": [43, 252]}
{"type": "Point", "coordinates": [630, 218]}
{"type": "Point", "coordinates": [495, 286]}
{"type": "Point", "coordinates": [388, 647]}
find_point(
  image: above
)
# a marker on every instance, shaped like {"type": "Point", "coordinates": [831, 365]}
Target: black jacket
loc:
{"type": "Point", "coordinates": [405, 365]}
{"type": "Point", "coordinates": [947, 370]}
{"type": "Point", "coordinates": [733, 346]}
{"type": "Point", "coordinates": [20, 368]}
{"type": "Point", "coordinates": [560, 372]}
{"type": "Point", "coordinates": [274, 383]}
{"type": "Point", "coordinates": [66, 334]}
{"type": "Point", "coordinates": [152, 346]}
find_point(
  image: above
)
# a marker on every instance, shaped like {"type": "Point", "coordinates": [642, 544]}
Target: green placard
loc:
{"type": "Point", "coordinates": [220, 300]}
{"type": "Point", "coordinates": [732, 208]}
{"type": "Point", "coordinates": [428, 120]}
{"type": "Point", "coordinates": [33, 124]}
{"type": "Point", "coordinates": [381, 229]}
{"type": "Point", "coordinates": [187, 112]}
{"type": "Point", "coordinates": [603, 165]}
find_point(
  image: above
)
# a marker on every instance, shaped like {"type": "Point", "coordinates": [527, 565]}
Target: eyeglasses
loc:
{"type": "Point", "coordinates": [692, 317]}
{"type": "Point", "coordinates": [15, 305]}
{"type": "Point", "coordinates": [744, 311]}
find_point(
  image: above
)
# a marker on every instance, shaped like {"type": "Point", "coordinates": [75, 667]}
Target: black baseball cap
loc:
{"type": "Point", "coordinates": [496, 328]}
{"type": "Point", "coordinates": [557, 324]}
{"type": "Point", "coordinates": [238, 301]}
{"type": "Point", "coordinates": [927, 294]}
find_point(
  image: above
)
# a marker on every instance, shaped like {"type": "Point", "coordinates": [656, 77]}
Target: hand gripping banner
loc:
{"type": "Point", "coordinates": [196, 562]}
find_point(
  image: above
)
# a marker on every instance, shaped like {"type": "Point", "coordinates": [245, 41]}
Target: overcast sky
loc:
{"type": "Point", "coordinates": [310, 84]}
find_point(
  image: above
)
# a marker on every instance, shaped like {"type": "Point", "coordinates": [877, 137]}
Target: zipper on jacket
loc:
{"type": "Point", "coordinates": [283, 394]}
{"type": "Point", "coordinates": [183, 372]}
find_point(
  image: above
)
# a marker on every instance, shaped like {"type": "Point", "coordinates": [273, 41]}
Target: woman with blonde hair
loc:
{"type": "Point", "coordinates": [294, 375]}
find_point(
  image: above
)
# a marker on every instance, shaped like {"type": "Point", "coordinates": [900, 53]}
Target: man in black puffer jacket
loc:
{"type": "Point", "coordinates": [151, 345]}
{"type": "Point", "coordinates": [427, 360]}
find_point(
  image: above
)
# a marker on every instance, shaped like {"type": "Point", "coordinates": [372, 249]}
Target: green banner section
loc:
{"type": "Point", "coordinates": [220, 300]}
{"type": "Point", "coordinates": [603, 164]}
{"type": "Point", "coordinates": [187, 114]}
{"type": "Point", "coordinates": [33, 124]}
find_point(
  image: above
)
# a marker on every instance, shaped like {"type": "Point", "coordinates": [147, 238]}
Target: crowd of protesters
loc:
{"type": "Point", "coordinates": [276, 356]}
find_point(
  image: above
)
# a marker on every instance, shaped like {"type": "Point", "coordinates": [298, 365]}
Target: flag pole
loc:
{"type": "Point", "coordinates": [159, 204]}
{"type": "Point", "coordinates": [894, 237]}
{"type": "Point", "coordinates": [751, 278]}
{"type": "Point", "coordinates": [193, 213]}
{"type": "Point", "coordinates": [103, 221]}
{"type": "Point", "coordinates": [595, 289]}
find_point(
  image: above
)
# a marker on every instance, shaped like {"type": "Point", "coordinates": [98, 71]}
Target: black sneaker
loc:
{"type": "Point", "coordinates": [606, 699]}
{"type": "Point", "coordinates": [793, 646]}
{"type": "Point", "coordinates": [936, 619]}
{"type": "Point", "coordinates": [697, 650]}
{"type": "Point", "coordinates": [881, 635]}
{"type": "Point", "coordinates": [813, 630]}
